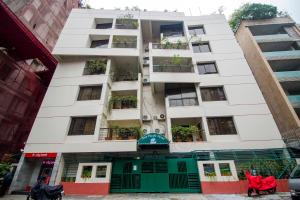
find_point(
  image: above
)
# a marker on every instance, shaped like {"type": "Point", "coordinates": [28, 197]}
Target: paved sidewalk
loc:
{"type": "Point", "coordinates": [147, 196]}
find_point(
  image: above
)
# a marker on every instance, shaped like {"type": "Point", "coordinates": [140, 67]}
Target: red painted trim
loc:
{"type": "Point", "coordinates": [71, 188]}
{"type": "Point", "coordinates": [40, 155]}
{"type": "Point", "coordinates": [236, 187]}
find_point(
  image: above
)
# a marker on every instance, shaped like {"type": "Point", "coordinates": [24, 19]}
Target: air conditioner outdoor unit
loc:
{"type": "Point", "coordinates": [157, 130]}
{"type": "Point", "coordinates": [146, 80]}
{"type": "Point", "coordinates": [146, 62]}
{"type": "Point", "coordinates": [161, 116]}
{"type": "Point", "coordinates": [146, 118]}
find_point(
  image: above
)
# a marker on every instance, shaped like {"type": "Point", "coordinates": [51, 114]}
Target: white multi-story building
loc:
{"type": "Point", "coordinates": [146, 102]}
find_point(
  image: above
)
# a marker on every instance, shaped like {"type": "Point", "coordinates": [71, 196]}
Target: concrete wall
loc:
{"type": "Point", "coordinates": [278, 103]}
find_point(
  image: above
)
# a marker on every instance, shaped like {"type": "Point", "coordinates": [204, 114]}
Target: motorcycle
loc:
{"type": "Point", "coordinates": [42, 191]}
{"type": "Point", "coordinates": [259, 184]}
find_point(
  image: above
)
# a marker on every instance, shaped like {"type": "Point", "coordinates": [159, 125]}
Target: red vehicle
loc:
{"type": "Point", "coordinates": [259, 184]}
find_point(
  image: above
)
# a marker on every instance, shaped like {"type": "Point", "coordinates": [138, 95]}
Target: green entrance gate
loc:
{"type": "Point", "coordinates": [155, 175]}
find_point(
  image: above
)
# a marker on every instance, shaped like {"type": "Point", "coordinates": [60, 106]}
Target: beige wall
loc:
{"type": "Point", "coordinates": [274, 95]}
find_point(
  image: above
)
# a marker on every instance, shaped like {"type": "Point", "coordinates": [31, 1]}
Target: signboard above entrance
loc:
{"type": "Point", "coordinates": [40, 155]}
{"type": "Point", "coordinates": [153, 139]}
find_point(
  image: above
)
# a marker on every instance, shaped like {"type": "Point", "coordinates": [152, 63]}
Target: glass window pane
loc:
{"type": "Point", "coordinates": [210, 68]}
{"type": "Point", "coordinates": [209, 169]}
{"type": "Point", "coordinates": [196, 48]}
{"type": "Point", "coordinates": [89, 127]}
{"type": "Point", "coordinates": [101, 171]}
{"type": "Point", "coordinates": [225, 169]}
{"type": "Point", "coordinates": [86, 172]}
{"type": "Point", "coordinates": [221, 126]}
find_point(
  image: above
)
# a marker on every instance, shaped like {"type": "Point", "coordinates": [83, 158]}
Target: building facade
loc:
{"type": "Point", "coordinates": [45, 19]}
{"type": "Point", "coordinates": [149, 102]}
{"type": "Point", "coordinates": [26, 68]}
{"type": "Point", "coordinates": [272, 49]}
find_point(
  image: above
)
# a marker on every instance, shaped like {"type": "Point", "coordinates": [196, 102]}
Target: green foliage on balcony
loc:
{"type": "Point", "coordinates": [184, 133]}
{"type": "Point", "coordinates": [166, 44]}
{"type": "Point", "coordinates": [127, 22]}
{"type": "Point", "coordinates": [122, 102]}
{"type": "Point", "coordinates": [96, 66]}
{"type": "Point", "coordinates": [133, 132]}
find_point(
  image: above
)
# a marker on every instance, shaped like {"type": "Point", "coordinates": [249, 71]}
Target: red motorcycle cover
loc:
{"type": "Point", "coordinates": [260, 183]}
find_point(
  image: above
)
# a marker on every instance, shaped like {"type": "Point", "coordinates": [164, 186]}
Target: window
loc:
{"type": "Point", "coordinates": [221, 126]}
{"type": "Point", "coordinates": [86, 172]}
{"type": "Point", "coordinates": [207, 68]}
{"type": "Point", "coordinates": [209, 169]}
{"type": "Point", "coordinates": [172, 30]}
{"type": "Point", "coordinates": [89, 93]}
{"type": "Point", "coordinates": [82, 126]}
{"type": "Point", "coordinates": [196, 30]}
{"type": "Point", "coordinates": [181, 95]}
{"type": "Point", "coordinates": [213, 94]}
{"type": "Point", "coordinates": [201, 47]}
{"type": "Point", "coordinates": [6, 72]}
{"type": "Point", "coordinates": [104, 26]}
{"type": "Point", "coordinates": [225, 169]}
{"type": "Point", "coordinates": [99, 44]}
{"type": "Point", "coordinates": [101, 171]}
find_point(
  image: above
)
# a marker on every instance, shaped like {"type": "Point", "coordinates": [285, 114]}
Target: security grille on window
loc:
{"type": "Point", "coordinates": [82, 126]}
{"type": "Point", "coordinates": [221, 126]}
{"type": "Point", "coordinates": [201, 47]}
{"type": "Point", "coordinates": [89, 93]}
{"type": "Point", "coordinates": [212, 94]}
{"type": "Point", "coordinates": [99, 44]}
{"type": "Point", "coordinates": [196, 30]}
{"type": "Point", "coordinates": [207, 68]}
{"type": "Point", "coordinates": [101, 171]}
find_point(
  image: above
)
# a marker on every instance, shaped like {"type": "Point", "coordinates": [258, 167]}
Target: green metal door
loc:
{"type": "Point", "coordinates": [155, 175]}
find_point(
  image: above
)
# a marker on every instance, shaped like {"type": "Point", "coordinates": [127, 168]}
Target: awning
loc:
{"type": "Point", "coordinates": [153, 139]}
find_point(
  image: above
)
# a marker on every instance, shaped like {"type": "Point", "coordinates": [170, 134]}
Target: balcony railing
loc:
{"type": "Point", "coordinates": [127, 26]}
{"type": "Point", "coordinates": [131, 133]}
{"type": "Point", "coordinates": [188, 101]}
{"type": "Point", "coordinates": [180, 46]}
{"type": "Point", "coordinates": [124, 45]}
{"type": "Point", "coordinates": [197, 137]}
{"type": "Point", "coordinates": [125, 77]}
{"type": "Point", "coordinates": [273, 38]}
{"type": "Point", "coordinates": [288, 76]}
{"type": "Point", "coordinates": [295, 100]}
{"type": "Point", "coordinates": [173, 68]}
{"type": "Point", "coordinates": [281, 55]}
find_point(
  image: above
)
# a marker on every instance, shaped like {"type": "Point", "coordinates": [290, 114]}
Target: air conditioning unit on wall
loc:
{"type": "Point", "coordinates": [146, 118]}
{"type": "Point", "coordinates": [161, 117]}
{"type": "Point", "coordinates": [146, 80]}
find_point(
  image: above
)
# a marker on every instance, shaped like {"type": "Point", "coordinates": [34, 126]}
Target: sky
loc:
{"type": "Point", "coordinates": [196, 7]}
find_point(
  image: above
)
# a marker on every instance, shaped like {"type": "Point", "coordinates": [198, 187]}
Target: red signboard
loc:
{"type": "Point", "coordinates": [40, 155]}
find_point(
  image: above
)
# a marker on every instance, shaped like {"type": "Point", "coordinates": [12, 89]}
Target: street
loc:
{"type": "Point", "coordinates": [149, 196]}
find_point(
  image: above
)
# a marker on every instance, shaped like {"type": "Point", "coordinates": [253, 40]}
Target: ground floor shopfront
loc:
{"type": "Point", "coordinates": [208, 172]}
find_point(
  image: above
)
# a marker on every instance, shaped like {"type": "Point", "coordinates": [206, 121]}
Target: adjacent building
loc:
{"type": "Point", "coordinates": [146, 101]}
{"type": "Point", "coordinates": [36, 20]}
{"type": "Point", "coordinates": [272, 49]}
{"type": "Point", "coordinates": [44, 18]}
{"type": "Point", "coordinates": [26, 69]}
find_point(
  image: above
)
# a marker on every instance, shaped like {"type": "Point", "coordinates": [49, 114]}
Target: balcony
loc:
{"type": "Point", "coordinates": [295, 100]}
{"type": "Point", "coordinates": [288, 76]}
{"type": "Point", "coordinates": [281, 55]}
{"type": "Point", "coordinates": [274, 38]}
{"type": "Point", "coordinates": [187, 130]}
{"type": "Point", "coordinates": [124, 105]}
{"type": "Point", "coordinates": [120, 133]}
{"type": "Point", "coordinates": [126, 23]}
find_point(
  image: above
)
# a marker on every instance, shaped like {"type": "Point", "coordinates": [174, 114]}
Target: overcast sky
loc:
{"type": "Point", "coordinates": [196, 7]}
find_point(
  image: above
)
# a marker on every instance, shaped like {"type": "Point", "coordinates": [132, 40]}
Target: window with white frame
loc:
{"type": "Point", "coordinates": [93, 172]}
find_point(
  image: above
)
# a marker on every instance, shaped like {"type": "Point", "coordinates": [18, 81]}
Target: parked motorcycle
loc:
{"type": "Point", "coordinates": [42, 191]}
{"type": "Point", "coordinates": [259, 184]}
